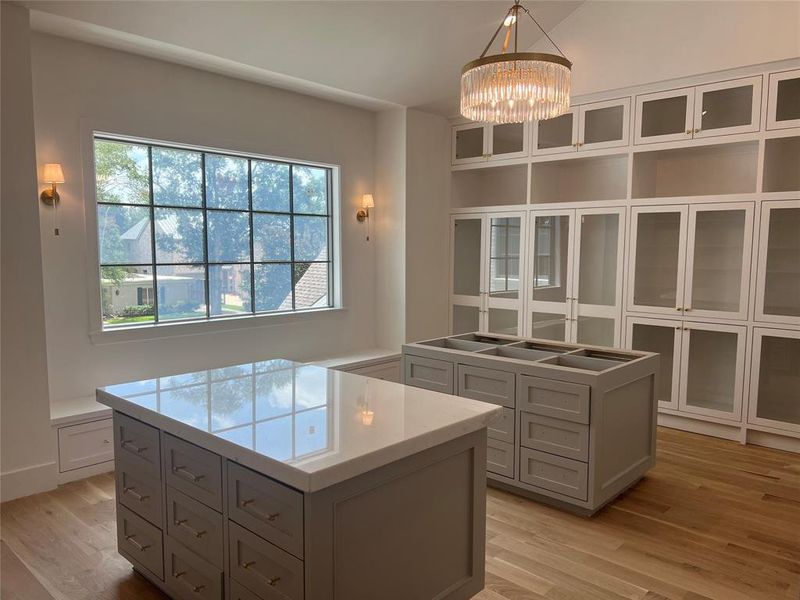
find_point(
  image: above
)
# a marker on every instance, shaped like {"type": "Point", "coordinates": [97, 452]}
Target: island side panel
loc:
{"type": "Point", "coordinates": [413, 529]}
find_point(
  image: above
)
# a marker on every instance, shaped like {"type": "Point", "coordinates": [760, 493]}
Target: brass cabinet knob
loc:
{"type": "Point", "coordinates": [697, 130]}
{"type": "Point", "coordinates": [688, 132]}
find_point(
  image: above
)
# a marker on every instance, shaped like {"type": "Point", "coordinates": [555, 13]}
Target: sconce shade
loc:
{"type": "Point", "coordinates": [368, 201]}
{"type": "Point", "coordinates": [53, 173]}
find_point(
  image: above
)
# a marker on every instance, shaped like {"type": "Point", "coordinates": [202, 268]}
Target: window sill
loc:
{"type": "Point", "coordinates": [164, 330]}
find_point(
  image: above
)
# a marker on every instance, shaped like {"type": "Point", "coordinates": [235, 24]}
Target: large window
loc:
{"type": "Point", "coordinates": [187, 235]}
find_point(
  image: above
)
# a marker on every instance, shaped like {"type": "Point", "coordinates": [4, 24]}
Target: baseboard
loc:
{"type": "Point", "coordinates": [770, 440]}
{"type": "Point", "coordinates": [27, 481]}
{"type": "Point", "coordinates": [727, 432]}
{"type": "Point", "coordinates": [84, 472]}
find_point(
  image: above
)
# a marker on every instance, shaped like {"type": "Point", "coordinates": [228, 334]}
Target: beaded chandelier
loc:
{"type": "Point", "coordinates": [517, 86]}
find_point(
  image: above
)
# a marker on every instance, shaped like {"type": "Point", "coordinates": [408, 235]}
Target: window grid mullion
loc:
{"type": "Point", "coordinates": [152, 232]}
{"type": "Point", "coordinates": [207, 281]}
{"type": "Point", "coordinates": [252, 234]}
{"type": "Point", "coordinates": [291, 235]}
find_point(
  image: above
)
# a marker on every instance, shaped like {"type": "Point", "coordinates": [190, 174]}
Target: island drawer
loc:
{"type": "Point", "coordinates": [138, 490]}
{"type": "Point", "coordinates": [140, 541]}
{"type": "Point", "coordinates": [486, 385]}
{"type": "Point", "coordinates": [270, 509]}
{"type": "Point", "coordinates": [553, 398]}
{"type": "Point", "coordinates": [194, 471]}
{"type": "Point", "coordinates": [556, 436]}
{"type": "Point", "coordinates": [139, 442]}
{"type": "Point", "coordinates": [428, 373]}
{"type": "Point", "coordinates": [500, 457]}
{"type": "Point", "coordinates": [188, 576]}
{"type": "Point", "coordinates": [554, 473]}
{"type": "Point", "coordinates": [196, 526]}
{"type": "Point", "coordinates": [264, 568]}
{"type": "Point", "coordinates": [501, 427]}
{"type": "Point", "coordinates": [239, 592]}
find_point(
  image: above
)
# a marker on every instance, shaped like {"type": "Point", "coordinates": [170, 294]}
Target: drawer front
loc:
{"type": "Point", "coordinates": [501, 427]}
{"type": "Point", "coordinates": [239, 592]}
{"type": "Point", "coordinates": [85, 444]}
{"type": "Point", "coordinates": [500, 458]}
{"type": "Point", "coordinates": [556, 436]}
{"type": "Point", "coordinates": [387, 372]}
{"type": "Point", "coordinates": [139, 442]}
{"type": "Point", "coordinates": [428, 373]}
{"type": "Point", "coordinates": [269, 508]}
{"type": "Point", "coordinates": [188, 576]}
{"type": "Point", "coordinates": [194, 471]}
{"type": "Point", "coordinates": [557, 399]}
{"type": "Point", "coordinates": [138, 490]}
{"type": "Point", "coordinates": [196, 526]}
{"type": "Point", "coordinates": [140, 540]}
{"type": "Point", "coordinates": [263, 568]}
{"type": "Point", "coordinates": [486, 385]}
{"type": "Point", "coordinates": [555, 473]}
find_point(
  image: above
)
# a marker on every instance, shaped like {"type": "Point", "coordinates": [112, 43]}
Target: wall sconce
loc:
{"type": "Point", "coordinates": [53, 175]}
{"type": "Point", "coordinates": [367, 202]}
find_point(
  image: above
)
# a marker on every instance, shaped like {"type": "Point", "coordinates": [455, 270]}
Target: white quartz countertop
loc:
{"type": "Point", "coordinates": [306, 426]}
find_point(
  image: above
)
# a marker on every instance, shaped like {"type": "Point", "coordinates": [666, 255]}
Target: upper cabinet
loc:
{"type": "Point", "coordinates": [783, 100]}
{"type": "Point", "coordinates": [585, 127]}
{"type": "Point", "coordinates": [478, 142]}
{"type": "Point", "coordinates": [708, 110]}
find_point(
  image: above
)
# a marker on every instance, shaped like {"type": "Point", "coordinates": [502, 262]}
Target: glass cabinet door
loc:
{"type": "Point", "coordinates": [658, 253]}
{"type": "Point", "coordinates": [604, 124]}
{"type": "Point", "coordinates": [663, 337]}
{"type": "Point", "coordinates": [503, 289]}
{"type": "Point", "coordinates": [466, 286]}
{"type": "Point", "coordinates": [784, 100]}
{"type": "Point", "coordinates": [728, 107]}
{"type": "Point", "coordinates": [664, 116]}
{"type": "Point", "coordinates": [550, 288]}
{"type": "Point", "coordinates": [469, 143]}
{"type": "Point", "coordinates": [557, 135]}
{"type": "Point", "coordinates": [717, 273]}
{"type": "Point", "coordinates": [712, 369]}
{"type": "Point", "coordinates": [778, 283]}
{"type": "Point", "coordinates": [597, 288]}
{"type": "Point", "coordinates": [509, 140]}
{"type": "Point", "coordinates": [775, 385]}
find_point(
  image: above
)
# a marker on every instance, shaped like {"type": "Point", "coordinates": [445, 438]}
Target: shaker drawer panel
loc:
{"type": "Point", "coordinates": [194, 471]}
{"type": "Point", "coordinates": [263, 568]}
{"type": "Point", "coordinates": [555, 473]}
{"type": "Point", "coordinates": [239, 592]}
{"type": "Point", "coordinates": [85, 444]}
{"type": "Point", "coordinates": [140, 540]}
{"type": "Point", "coordinates": [271, 509]}
{"type": "Point", "coordinates": [552, 398]}
{"type": "Point", "coordinates": [500, 457]}
{"type": "Point", "coordinates": [196, 526]}
{"type": "Point", "coordinates": [139, 442]}
{"type": "Point", "coordinates": [188, 576]}
{"type": "Point", "coordinates": [556, 436]}
{"type": "Point", "coordinates": [428, 373]}
{"type": "Point", "coordinates": [138, 490]}
{"type": "Point", "coordinates": [501, 427]}
{"type": "Point", "coordinates": [486, 385]}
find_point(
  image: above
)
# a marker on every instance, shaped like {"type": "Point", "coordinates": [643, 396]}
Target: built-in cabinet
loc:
{"type": "Point", "coordinates": [586, 127]}
{"type": "Point", "coordinates": [476, 142]}
{"type": "Point", "coordinates": [783, 100]}
{"type": "Point", "coordinates": [778, 276]}
{"type": "Point", "coordinates": [775, 380]}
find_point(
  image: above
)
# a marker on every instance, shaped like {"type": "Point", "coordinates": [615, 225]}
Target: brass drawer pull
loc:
{"type": "Point", "coordinates": [132, 491]}
{"type": "Point", "coordinates": [266, 516]}
{"type": "Point", "coordinates": [273, 581]}
{"type": "Point", "coordinates": [135, 544]}
{"type": "Point", "coordinates": [247, 565]}
{"type": "Point", "coordinates": [195, 588]}
{"type": "Point", "coordinates": [129, 445]}
{"type": "Point", "coordinates": [194, 532]}
{"type": "Point", "coordinates": [184, 471]}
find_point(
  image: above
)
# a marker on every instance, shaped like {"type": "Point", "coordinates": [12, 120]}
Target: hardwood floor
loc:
{"type": "Point", "coordinates": [713, 520]}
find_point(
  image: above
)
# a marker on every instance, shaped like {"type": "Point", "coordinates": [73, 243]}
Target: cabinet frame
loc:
{"type": "Point", "coordinates": [755, 371]}
{"type": "Point", "coordinates": [761, 270]}
{"type": "Point", "coordinates": [772, 100]}
{"type": "Point", "coordinates": [755, 110]}
{"type": "Point", "coordinates": [686, 134]}
{"type": "Point", "coordinates": [677, 332]}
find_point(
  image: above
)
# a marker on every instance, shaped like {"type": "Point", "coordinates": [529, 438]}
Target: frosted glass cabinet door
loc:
{"type": "Point", "coordinates": [467, 273]}
{"type": "Point", "coordinates": [663, 337]}
{"type": "Point", "coordinates": [557, 135]}
{"type": "Point", "coordinates": [658, 255]}
{"type": "Point", "coordinates": [712, 369]}
{"type": "Point", "coordinates": [464, 319]}
{"type": "Point", "coordinates": [664, 116]}
{"type": "Point", "coordinates": [784, 100]}
{"type": "Point", "coordinates": [728, 107]}
{"type": "Point", "coordinates": [717, 274]}
{"type": "Point", "coordinates": [778, 284]}
{"type": "Point", "coordinates": [550, 287]}
{"type": "Point", "coordinates": [604, 124]}
{"type": "Point", "coordinates": [503, 298]}
{"type": "Point", "coordinates": [469, 143]}
{"type": "Point", "coordinates": [509, 140]}
{"type": "Point", "coordinates": [775, 384]}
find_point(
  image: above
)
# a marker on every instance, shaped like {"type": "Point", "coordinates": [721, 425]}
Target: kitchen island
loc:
{"type": "Point", "coordinates": [276, 480]}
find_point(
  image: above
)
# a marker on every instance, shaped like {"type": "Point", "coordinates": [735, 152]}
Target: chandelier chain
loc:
{"type": "Point", "coordinates": [542, 30]}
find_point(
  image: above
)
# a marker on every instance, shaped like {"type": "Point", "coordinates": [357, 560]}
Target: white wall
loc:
{"type": "Point", "coordinates": [621, 44]}
{"type": "Point", "coordinates": [26, 454]}
{"type": "Point", "coordinates": [76, 83]}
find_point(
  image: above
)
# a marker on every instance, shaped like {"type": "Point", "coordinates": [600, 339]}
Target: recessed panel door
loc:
{"type": "Point", "coordinates": [467, 274]}
{"type": "Point", "coordinates": [557, 135]}
{"type": "Point", "coordinates": [664, 337]}
{"type": "Point", "coordinates": [727, 107]}
{"type": "Point", "coordinates": [778, 274]}
{"type": "Point", "coordinates": [718, 260]}
{"type": "Point", "coordinates": [550, 272]}
{"type": "Point", "coordinates": [597, 286]}
{"type": "Point", "coordinates": [503, 286]}
{"type": "Point", "coordinates": [664, 116]}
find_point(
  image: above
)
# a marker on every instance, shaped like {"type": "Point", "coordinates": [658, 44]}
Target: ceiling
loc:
{"type": "Point", "coordinates": [373, 54]}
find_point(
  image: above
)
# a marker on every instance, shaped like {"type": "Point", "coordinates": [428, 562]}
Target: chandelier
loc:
{"type": "Point", "coordinates": [517, 86]}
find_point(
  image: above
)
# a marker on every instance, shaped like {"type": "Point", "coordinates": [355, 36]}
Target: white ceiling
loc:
{"type": "Point", "coordinates": [370, 53]}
